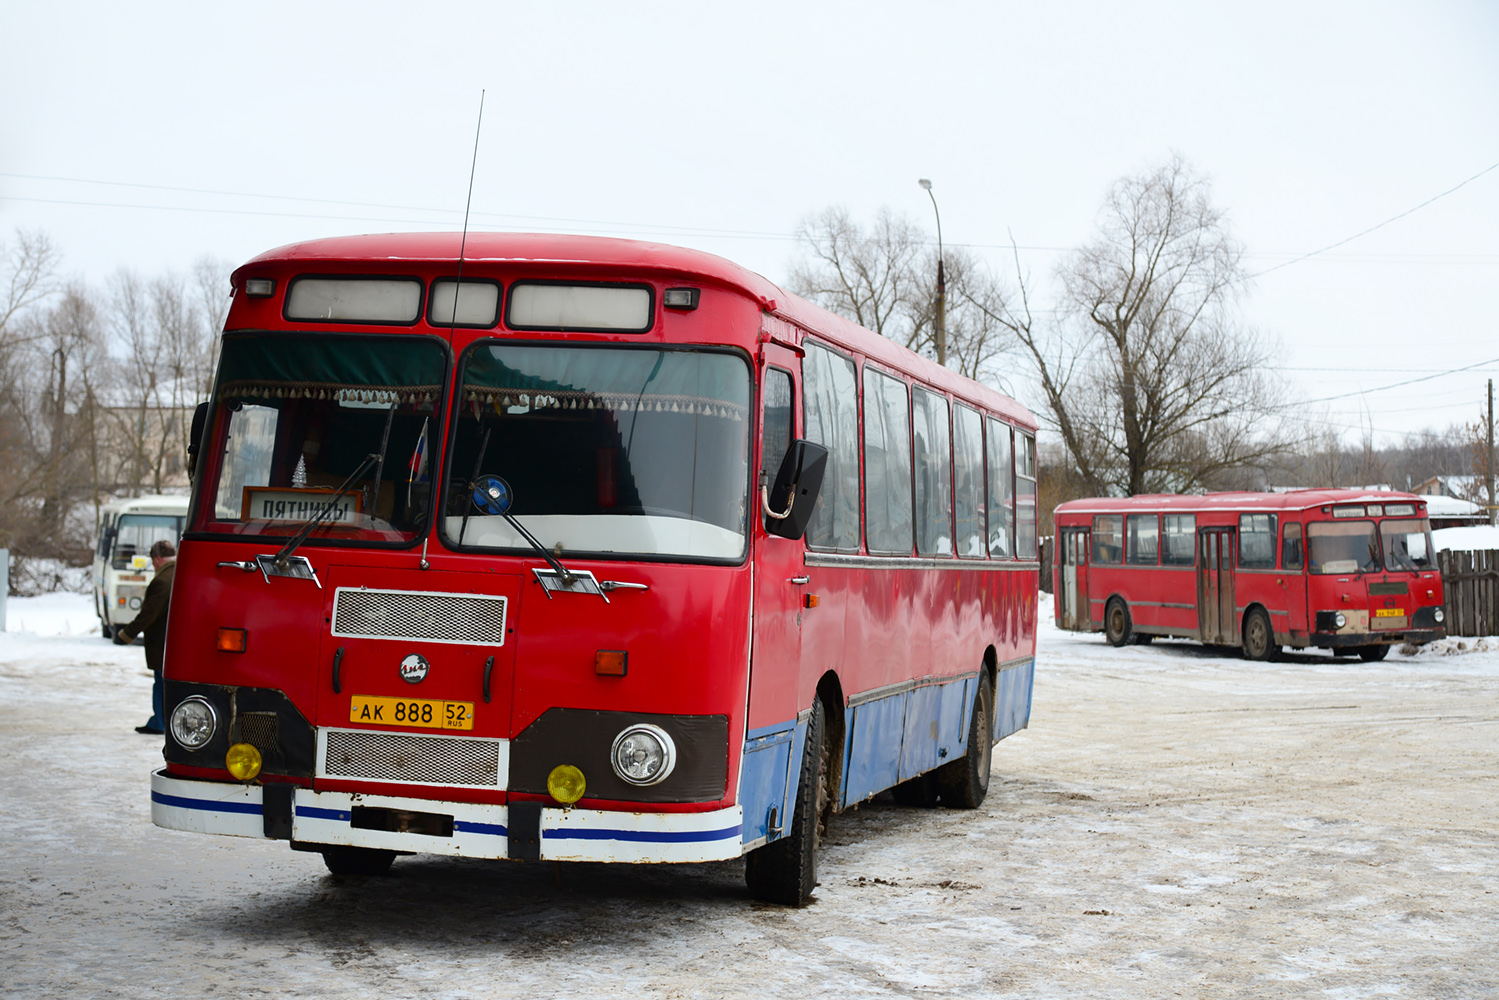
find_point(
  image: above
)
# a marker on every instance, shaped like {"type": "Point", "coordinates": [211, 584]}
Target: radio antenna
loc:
{"type": "Point", "coordinates": [463, 243]}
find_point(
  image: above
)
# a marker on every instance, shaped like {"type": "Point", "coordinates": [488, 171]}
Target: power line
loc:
{"type": "Point", "coordinates": [1396, 385]}
{"type": "Point", "coordinates": [1380, 225]}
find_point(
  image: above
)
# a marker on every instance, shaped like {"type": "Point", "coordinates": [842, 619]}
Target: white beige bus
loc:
{"type": "Point", "coordinates": [122, 561]}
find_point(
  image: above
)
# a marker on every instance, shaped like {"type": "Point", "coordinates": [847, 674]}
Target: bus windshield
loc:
{"type": "Point", "coordinates": [137, 533]}
{"type": "Point", "coordinates": [1407, 545]}
{"type": "Point", "coordinates": [1335, 547]}
{"type": "Point", "coordinates": [300, 414]}
{"type": "Point", "coordinates": [629, 451]}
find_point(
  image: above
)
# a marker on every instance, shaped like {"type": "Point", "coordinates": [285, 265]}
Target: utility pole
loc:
{"type": "Point", "coordinates": [940, 328]}
{"type": "Point", "coordinates": [1488, 455]}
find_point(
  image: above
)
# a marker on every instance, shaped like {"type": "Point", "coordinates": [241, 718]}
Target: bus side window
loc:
{"type": "Point", "coordinates": [1142, 540]}
{"type": "Point", "coordinates": [1108, 539]}
{"type": "Point", "coordinates": [1257, 541]}
{"type": "Point", "coordinates": [887, 464]}
{"type": "Point", "coordinates": [1001, 490]}
{"type": "Point", "coordinates": [968, 473]}
{"type": "Point", "coordinates": [933, 475]}
{"type": "Point", "coordinates": [1290, 547]}
{"type": "Point", "coordinates": [1025, 496]}
{"type": "Point", "coordinates": [830, 417]}
{"type": "Point", "coordinates": [777, 434]}
{"type": "Point", "coordinates": [1178, 539]}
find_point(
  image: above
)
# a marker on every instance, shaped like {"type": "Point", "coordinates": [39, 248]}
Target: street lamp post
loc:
{"type": "Point", "coordinates": [941, 325]}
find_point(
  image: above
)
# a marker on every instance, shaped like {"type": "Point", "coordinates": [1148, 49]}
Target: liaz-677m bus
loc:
{"type": "Point", "coordinates": [584, 549]}
{"type": "Point", "coordinates": [1352, 571]}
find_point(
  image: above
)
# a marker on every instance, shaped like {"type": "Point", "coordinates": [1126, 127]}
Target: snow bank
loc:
{"type": "Point", "coordinates": [1474, 538]}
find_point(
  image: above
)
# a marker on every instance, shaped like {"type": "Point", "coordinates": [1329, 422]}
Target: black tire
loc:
{"type": "Point", "coordinates": [785, 871]}
{"type": "Point", "coordinates": [1259, 637]}
{"type": "Point", "coordinates": [1143, 639]}
{"type": "Point", "coordinates": [1373, 654]}
{"type": "Point", "coordinates": [357, 860]}
{"type": "Point", "coordinates": [107, 631]}
{"type": "Point", "coordinates": [1117, 627]}
{"type": "Point", "coordinates": [920, 792]}
{"type": "Point", "coordinates": [964, 783]}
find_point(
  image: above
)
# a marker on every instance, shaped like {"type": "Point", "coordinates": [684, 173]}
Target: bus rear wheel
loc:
{"type": "Point", "coordinates": [357, 860]}
{"type": "Point", "coordinates": [1372, 654]}
{"type": "Point", "coordinates": [1259, 637]}
{"type": "Point", "coordinates": [785, 871]}
{"type": "Point", "coordinates": [1117, 627]}
{"type": "Point", "coordinates": [964, 783]}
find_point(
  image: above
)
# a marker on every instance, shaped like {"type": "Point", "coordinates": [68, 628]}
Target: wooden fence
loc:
{"type": "Point", "coordinates": [1471, 582]}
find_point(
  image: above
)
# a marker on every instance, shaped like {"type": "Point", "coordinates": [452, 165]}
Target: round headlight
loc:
{"type": "Point", "coordinates": [135, 604]}
{"type": "Point", "coordinates": [1340, 619]}
{"type": "Point", "coordinates": [1439, 615]}
{"type": "Point", "coordinates": [643, 754]}
{"type": "Point", "coordinates": [566, 784]}
{"type": "Point", "coordinates": [243, 761]}
{"type": "Point", "coordinates": [194, 722]}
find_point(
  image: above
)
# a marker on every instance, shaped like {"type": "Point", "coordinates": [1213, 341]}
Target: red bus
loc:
{"type": "Point", "coordinates": [1352, 571]}
{"type": "Point", "coordinates": [522, 552]}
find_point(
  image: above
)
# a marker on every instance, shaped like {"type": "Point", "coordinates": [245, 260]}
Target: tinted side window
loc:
{"type": "Point", "coordinates": [968, 470]}
{"type": "Point", "coordinates": [933, 474]}
{"type": "Point", "coordinates": [1108, 540]}
{"type": "Point", "coordinates": [1257, 541]}
{"type": "Point", "coordinates": [1142, 539]}
{"type": "Point", "coordinates": [1001, 490]}
{"type": "Point", "coordinates": [887, 464]}
{"type": "Point", "coordinates": [1178, 539]}
{"type": "Point", "coordinates": [1025, 496]}
{"type": "Point", "coordinates": [1290, 547]}
{"type": "Point", "coordinates": [831, 402]}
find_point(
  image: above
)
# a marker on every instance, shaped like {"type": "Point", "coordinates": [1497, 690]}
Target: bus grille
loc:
{"type": "Point", "coordinates": [403, 614]}
{"type": "Point", "coordinates": [419, 760]}
{"type": "Point", "coordinates": [259, 729]}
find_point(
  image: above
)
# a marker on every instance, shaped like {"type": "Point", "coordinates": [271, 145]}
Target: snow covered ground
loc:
{"type": "Point", "coordinates": [1175, 822]}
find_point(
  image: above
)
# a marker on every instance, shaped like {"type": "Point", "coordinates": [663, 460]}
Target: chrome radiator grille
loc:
{"type": "Point", "coordinates": [419, 760]}
{"type": "Point", "coordinates": [476, 619]}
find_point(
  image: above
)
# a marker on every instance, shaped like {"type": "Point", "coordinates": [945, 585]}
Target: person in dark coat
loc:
{"type": "Point", "coordinates": [152, 621]}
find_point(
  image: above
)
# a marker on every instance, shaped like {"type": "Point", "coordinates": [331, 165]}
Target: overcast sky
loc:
{"type": "Point", "coordinates": [148, 135]}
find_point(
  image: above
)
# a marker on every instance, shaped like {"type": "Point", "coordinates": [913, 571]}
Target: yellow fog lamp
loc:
{"type": "Point", "coordinates": [243, 761]}
{"type": "Point", "coordinates": [566, 784]}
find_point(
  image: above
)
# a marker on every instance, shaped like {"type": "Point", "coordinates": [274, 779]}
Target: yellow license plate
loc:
{"type": "Point", "coordinates": [1389, 612]}
{"type": "Point", "coordinates": [425, 713]}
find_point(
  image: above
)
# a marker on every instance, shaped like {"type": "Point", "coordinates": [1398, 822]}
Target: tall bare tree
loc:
{"type": "Point", "coordinates": [1147, 374]}
{"type": "Point", "coordinates": [884, 279]}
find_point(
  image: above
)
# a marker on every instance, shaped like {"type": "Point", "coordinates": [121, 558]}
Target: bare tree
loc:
{"type": "Point", "coordinates": [884, 279]}
{"type": "Point", "coordinates": [1147, 376]}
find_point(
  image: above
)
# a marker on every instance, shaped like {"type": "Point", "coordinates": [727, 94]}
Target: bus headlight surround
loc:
{"type": "Point", "coordinates": [193, 722]}
{"type": "Point", "coordinates": [643, 754]}
{"type": "Point", "coordinates": [1339, 619]}
{"type": "Point", "coordinates": [1439, 616]}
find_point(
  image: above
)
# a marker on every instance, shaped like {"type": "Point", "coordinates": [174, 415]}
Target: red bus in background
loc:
{"type": "Point", "coordinates": [525, 555]}
{"type": "Point", "coordinates": [1352, 571]}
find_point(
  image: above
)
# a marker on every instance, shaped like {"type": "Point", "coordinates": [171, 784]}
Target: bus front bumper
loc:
{"type": "Point", "coordinates": [312, 819]}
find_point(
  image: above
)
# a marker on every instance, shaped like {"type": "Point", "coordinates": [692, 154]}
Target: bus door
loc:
{"type": "Point", "coordinates": [1215, 586]}
{"type": "Point", "coordinates": [1072, 591]}
{"type": "Point", "coordinates": [781, 575]}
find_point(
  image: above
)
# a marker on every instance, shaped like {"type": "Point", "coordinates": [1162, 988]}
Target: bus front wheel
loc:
{"type": "Point", "coordinates": [1259, 637]}
{"type": "Point", "coordinates": [1117, 627]}
{"type": "Point", "coordinates": [785, 871]}
{"type": "Point", "coordinates": [1370, 654]}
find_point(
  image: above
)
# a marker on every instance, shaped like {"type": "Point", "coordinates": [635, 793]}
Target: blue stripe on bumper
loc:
{"type": "Point", "coordinates": [644, 836]}
{"type": "Point", "coordinates": [206, 804]}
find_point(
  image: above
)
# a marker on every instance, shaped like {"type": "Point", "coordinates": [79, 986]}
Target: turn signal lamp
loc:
{"type": "Point", "coordinates": [243, 761]}
{"type": "Point", "coordinates": [260, 287]}
{"type": "Point", "coordinates": [811, 601]}
{"type": "Point", "coordinates": [680, 298]}
{"type": "Point", "coordinates": [566, 784]}
{"type": "Point", "coordinates": [611, 662]}
{"type": "Point", "coordinates": [233, 640]}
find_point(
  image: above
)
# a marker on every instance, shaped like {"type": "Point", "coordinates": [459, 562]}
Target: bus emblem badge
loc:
{"type": "Point", "coordinates": [414, 668]}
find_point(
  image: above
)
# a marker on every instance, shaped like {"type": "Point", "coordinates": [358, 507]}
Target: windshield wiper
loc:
{"type": "Point", "coordinates": [312, 522]}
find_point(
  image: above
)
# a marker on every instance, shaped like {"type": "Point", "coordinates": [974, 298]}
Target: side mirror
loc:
{"type": "Point", "coordinates": [788, 505]}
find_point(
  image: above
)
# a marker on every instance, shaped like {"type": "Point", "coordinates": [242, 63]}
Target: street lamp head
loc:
{"type": "Point", "coordinates": [926, 185]}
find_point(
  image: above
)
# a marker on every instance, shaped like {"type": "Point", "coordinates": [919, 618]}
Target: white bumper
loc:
{"type": "Point", "coordinates": [479, 831]}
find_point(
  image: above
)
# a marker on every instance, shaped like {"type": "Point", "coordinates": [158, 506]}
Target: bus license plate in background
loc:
{"type": "Point", "coordinates": [425, 713]}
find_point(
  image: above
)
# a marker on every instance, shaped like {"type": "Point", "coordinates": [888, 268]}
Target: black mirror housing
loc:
{"type": "Point", "coordinates": [796, 487]}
